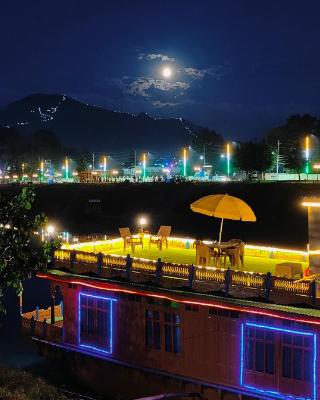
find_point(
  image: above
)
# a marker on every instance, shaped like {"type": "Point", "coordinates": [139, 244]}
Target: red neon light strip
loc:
{"type": "Point", "coordinates": [199, 303]}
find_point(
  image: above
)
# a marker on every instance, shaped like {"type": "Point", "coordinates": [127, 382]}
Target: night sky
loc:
{"type": "Point", "coordinates": [239, 67]}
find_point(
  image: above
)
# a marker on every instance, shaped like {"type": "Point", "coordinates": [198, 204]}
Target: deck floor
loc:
{"type": "Point", "coordinates": [186, 256]}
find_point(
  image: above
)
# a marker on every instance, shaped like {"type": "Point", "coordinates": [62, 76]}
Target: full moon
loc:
{"type": "Point", "coordinates": [167, 72]}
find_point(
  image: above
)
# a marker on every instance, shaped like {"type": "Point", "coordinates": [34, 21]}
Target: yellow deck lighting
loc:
{"type": "Point", "coordinates": [311, 204]}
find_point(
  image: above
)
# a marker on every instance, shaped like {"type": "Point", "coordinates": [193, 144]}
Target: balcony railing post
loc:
{"type": "Point", "coordinates": [52, 306]}
{"type": "Point", "coordinates": [44, 328]}
{"type": "Point", "coordinates": [73, 258]}
{"type": "Point", "coordinates": [268, 285]}
{"type": "Point", "coordinates": [51, 263]}
{"type": "Point", "coordinates": [191, 276]}
{"type": "Point", "coordinates": [37, 313]}
{"type": "Point", "coordinates": [99, 263]}
{"type": "Point", "coordinates": [32, 325]}
{"type": "Point", "coordinates": [227, 280]}
{"type": "Point", "coordinates": [128, 267]}
{"type": "Point", "coordinates": [313, 292]}
{"type": "Point", "coordinates": [158, 275]}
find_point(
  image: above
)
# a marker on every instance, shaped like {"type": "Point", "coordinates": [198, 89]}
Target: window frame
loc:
{"type": "Point", "coordinates": [108, 349]}
{"type": "Point", "coordinates": [279, 330]}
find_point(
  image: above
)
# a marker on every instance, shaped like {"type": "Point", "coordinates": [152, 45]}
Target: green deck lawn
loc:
{"type": "Point", "coordinates": [188, 256]}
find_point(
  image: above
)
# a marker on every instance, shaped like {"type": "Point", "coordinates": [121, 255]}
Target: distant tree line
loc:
{"type": "Point", "coordinates": [282, 149]}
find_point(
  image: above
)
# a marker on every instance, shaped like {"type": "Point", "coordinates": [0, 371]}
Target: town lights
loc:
{"type": "Point", "coordinates": [50, 230]}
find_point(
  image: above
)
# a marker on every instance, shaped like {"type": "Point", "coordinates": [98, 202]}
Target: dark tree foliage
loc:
{"type": "Point", "coordinates": [291, 136]}
{"type": "Point", "coordinates": [11, 147]}
{"type": "Point", "coordinates": [21, 251]}
{"type": "Point", "coordinates": [83, 162]}
{"type": "Point", "coordinates": [253, 157]}
{"type": "Point", "coordinates": [45, 144]}
{"type": "Point", "coordinates": [296, 126]}
{"type": "Point", "coordinates": [208, 142]}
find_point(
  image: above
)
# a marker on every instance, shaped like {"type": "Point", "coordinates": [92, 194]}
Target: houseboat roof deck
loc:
{"type": "Point", "coordinates": [268, 273]}
{"type": "Point", "coordinates": [258, 259]}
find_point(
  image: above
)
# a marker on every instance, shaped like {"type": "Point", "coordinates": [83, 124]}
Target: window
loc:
{"type": "Point", "coordinates": [297, 349]}
{"type": "Point", "coordinates": [166, 322]}
{"type": "Point", "coordinates": [223, 313]}
{"type": "Point", "coordinates": [190, 307]}
{"type": "Point", "coordinates": [296, 356]}
{"type": "Point", "coordinates": [259, 350]}
{"type": "Point", "coordinates": [172, 332]}
{"type": "Point", "coordinates": [95, 322]}
{"type": "Point", "coordinates": [153, 340]}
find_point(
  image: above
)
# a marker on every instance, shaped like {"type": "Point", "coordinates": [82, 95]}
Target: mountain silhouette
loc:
{"type": "Point", "coordinates": [93, 128]}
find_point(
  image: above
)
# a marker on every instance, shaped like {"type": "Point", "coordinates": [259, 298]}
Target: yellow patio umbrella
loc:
{"type": "Point", "coordinates": [225, 207]}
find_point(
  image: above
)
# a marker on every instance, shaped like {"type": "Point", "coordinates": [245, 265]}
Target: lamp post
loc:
{"type": "Point", "coordinates": [307, 153]}
{"type": "Point", "coordinates": [228, 159]}
{"type": "Point", "coordinates": [142, 223]}
{"type": "Point", "coordinates": [41, 171]}
{"type": "Point", "coordinates": [278, 154]}
{"type": "Point", "coordinates": [144, 164]}
{"type": "Point", "coordinates": [184, 162]}
{"type": "Point", "coordinates": [67, 168]}
{"type": "Point", "coordinates": [105, 167]}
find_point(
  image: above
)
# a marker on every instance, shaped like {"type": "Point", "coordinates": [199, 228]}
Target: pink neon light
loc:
{"type": "Point", "coordinates": [150, 294]}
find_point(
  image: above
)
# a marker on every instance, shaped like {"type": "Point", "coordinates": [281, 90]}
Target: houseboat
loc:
{"type": "Point", "coordinates": [140, 324]}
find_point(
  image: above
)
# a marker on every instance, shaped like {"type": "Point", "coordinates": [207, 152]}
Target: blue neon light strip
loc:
{"type": "Point", "coordinates": [241, 355]}
{"type": "Point", "coordinates": [275, 394]}
{"type": "Point", "coordinates": [110, 344]}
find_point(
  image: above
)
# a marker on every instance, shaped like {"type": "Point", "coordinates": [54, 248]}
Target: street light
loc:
{"type": "Point", "coordinates": [67, 168]}
{"type": "Point", "coordinates": [307, 152]}
{"type": "Point", "coordinates": [144, 164]}
{"type": "Point", "coordinates": [105, 167]}
{"type": "Point", "coordinates": [142, 223]}
{"type": "Point", "coordinates": [41, 171]}
{"type": "Point", "coordinates": [50, 230]}
{"type": "Point", "coordinates": [184, 162]}
{"type": "Point", "coordinates": [228, 160]}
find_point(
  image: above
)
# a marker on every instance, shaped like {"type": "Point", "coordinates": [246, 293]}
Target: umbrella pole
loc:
{"type": "Point", "coordinates": [220, 233]}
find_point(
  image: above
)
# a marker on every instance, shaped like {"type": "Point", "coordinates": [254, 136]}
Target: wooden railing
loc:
{"type": "Point", "coordinates": [102, 264]}
{"type": "Point", "coordinates": [35, 323]}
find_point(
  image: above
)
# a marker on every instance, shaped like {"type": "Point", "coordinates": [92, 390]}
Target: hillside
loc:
{"type": "Point", "coordinates": [79, 124]}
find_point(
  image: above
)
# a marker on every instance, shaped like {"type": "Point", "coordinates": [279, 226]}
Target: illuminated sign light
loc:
{"type": "Point", "coordinates": [109, 345]}
{"type": "Point", "coordinates": [275, 394]}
